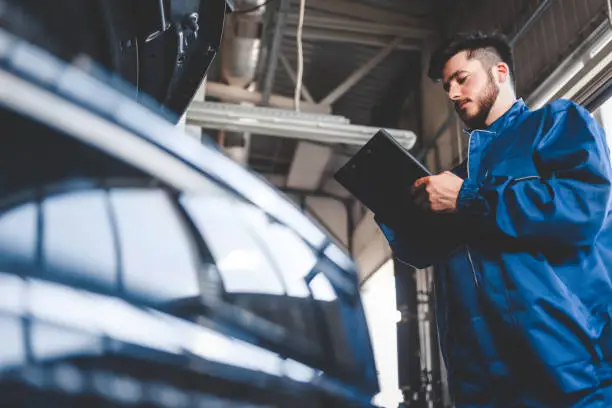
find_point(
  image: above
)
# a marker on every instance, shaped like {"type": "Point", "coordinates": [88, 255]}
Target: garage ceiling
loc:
{"type": "Point", "coordinates": [339, 37]}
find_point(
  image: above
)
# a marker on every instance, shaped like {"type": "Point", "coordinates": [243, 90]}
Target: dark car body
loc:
{"type": "Point", "coordinates": [139, 267]}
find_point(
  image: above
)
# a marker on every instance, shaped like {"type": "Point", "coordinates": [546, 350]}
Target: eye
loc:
{"type": "Point", "coordinates": [461, 79]}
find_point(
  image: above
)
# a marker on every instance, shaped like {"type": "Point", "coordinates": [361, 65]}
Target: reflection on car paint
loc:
{"type": "Point", "coordinates": [77, 233]}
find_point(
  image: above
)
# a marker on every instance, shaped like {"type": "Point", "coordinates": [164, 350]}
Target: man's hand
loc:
{"type": "Point", "coordinates": [437, 193]}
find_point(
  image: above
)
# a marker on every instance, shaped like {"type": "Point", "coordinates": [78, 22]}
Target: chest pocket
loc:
{"type": "Point", "coordinates": [516, 167]}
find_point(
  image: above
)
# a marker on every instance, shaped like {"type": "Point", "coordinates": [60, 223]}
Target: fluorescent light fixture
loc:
{"type": "Point", "coordinates": [289, 124]}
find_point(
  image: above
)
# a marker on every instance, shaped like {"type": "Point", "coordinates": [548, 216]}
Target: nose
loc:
{"type": "Point", "coordinates": [454, 92]}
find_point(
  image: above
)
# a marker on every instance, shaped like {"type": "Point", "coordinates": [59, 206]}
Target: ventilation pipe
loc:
{"type": "Point", "coordinates": [240, 52]}
{"type": "Point", "coordinates": [241, 44]}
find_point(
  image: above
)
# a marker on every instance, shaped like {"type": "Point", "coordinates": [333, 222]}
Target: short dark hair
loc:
{"type": "Point", "coordinates": [488, 48]}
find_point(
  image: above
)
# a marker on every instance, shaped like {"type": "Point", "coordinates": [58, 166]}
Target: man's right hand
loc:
{"type": "Point", "coordinates": [437, 193]}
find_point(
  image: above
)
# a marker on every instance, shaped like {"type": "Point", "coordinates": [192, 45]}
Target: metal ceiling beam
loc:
{"type": "Point", "coordinates": [281, 17]}
{"type": "Point", "coordinates": [235, 94]}
{"type": "Point", "coordinates": [369, 13]}
{"type": "Point", "coordinates": [287, 66]}
{"type": "Point", "coordinates": [535, 16]}
{"type": "Point", "coordinates": [363, 27]}
{"type": "Point", "coordinates": [361, 72]}
{"type": "Point", "coordinates": [313, 34]}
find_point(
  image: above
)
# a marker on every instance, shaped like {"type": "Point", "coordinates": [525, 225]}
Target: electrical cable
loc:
{"type": "Point", "coordinates": [300, 68]}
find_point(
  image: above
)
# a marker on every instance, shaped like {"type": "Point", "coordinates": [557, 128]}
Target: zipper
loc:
{"type": "Point", "coordinates": [473, 267]}
{"type": "Point", "coordinates": [467, 248]}
{"type": "Point", "coordinates": [526, 178]}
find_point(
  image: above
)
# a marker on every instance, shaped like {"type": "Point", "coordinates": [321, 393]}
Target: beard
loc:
{"type": "Point", "coordinates": [484, 102]}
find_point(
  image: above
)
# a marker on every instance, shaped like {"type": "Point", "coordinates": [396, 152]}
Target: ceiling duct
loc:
{"type": "Point", "coordinates": [240, 51]}
{"type": "Point", "coordinates": [241, 43]}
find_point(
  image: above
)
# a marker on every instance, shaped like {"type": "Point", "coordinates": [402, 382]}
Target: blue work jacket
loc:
{"type": "Point", "coordinates": [524, 288]}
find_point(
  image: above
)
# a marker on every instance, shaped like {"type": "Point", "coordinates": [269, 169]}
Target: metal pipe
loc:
{"type": "Point", "coordinates": [274, 52]}
{"type": "Point", "coordinates": [241, 46]}
{"type": "Point", "coordinates": [234, 94]}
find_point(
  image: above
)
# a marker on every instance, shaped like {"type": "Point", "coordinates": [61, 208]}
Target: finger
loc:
{"type": "Point", "coordinates": [420, 183]}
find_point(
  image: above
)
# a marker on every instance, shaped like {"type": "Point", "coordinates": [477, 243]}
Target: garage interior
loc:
{"type": "Point", "coordinates": [360, 65]}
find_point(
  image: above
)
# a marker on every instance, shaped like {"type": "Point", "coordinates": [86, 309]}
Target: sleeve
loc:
{"type": "Point", "coordinates": [460, 170]}
{"type": "Point", "coordinates": [409, 249]}
{"type": "Point", "coordinates": [568, 200]}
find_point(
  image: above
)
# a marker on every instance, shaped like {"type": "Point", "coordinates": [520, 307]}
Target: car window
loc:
{"type": "Point", "coordinates": [262, 264]}
{"type": "Point", "coordinates": [77, 237]}
{"type": "Point", "coordinates": [243, 266]}
{"type": "Point", "coordinates": [13, 350]}
{"type": "Point", "coordinates": [88, 218]}
{"type": "Point", "coordinates": [18, 234]}
{"type": "Point", "coordinates": [288, 253]}
{"type": "Point", "coordinates": [158, 258]}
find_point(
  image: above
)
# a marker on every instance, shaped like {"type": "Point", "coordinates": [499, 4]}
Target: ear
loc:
{"type": "Point", "coordinates": [501, 72]}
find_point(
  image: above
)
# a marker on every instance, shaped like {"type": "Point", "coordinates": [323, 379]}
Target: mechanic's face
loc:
{"type": "Point", "coordinates": [471, 88]}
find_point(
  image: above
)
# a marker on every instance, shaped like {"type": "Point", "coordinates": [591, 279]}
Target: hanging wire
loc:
{"type": "Point", "coordinates": [300, 51]}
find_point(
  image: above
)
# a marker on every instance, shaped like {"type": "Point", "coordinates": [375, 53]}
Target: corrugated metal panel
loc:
{"type": "Point", "coordinates": [407, 7]}
{"type": "Point", "coordinates": [559, 30]}
{"type": "Point", "coordinates": [328, 64]}
{"type": "Point", "coordinates": [414, 7]}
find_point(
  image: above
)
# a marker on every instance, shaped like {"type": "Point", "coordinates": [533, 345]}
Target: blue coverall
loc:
{"type": "Point", "coordinates": [524, 295]}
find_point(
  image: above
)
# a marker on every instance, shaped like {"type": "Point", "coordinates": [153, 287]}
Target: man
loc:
{"type": "Point", "coordinates": [524, 298]}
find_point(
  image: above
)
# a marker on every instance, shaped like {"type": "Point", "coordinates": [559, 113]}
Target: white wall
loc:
{"type": "Point", "coordinates": [604, 117]}
{"type": "Point", "coordinates": [370, 248]}
{"type": "Point", "coordinates": [378, 295]}
{"type": "Point", "coordinates": [333, 213]}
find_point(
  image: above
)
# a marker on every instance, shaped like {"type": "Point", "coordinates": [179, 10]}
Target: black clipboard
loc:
{"type": "Point", "coordinates": [380, 175]}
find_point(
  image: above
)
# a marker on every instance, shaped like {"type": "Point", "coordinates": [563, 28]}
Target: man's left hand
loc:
{"type": "Point", "coordinates": [437, 193]}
